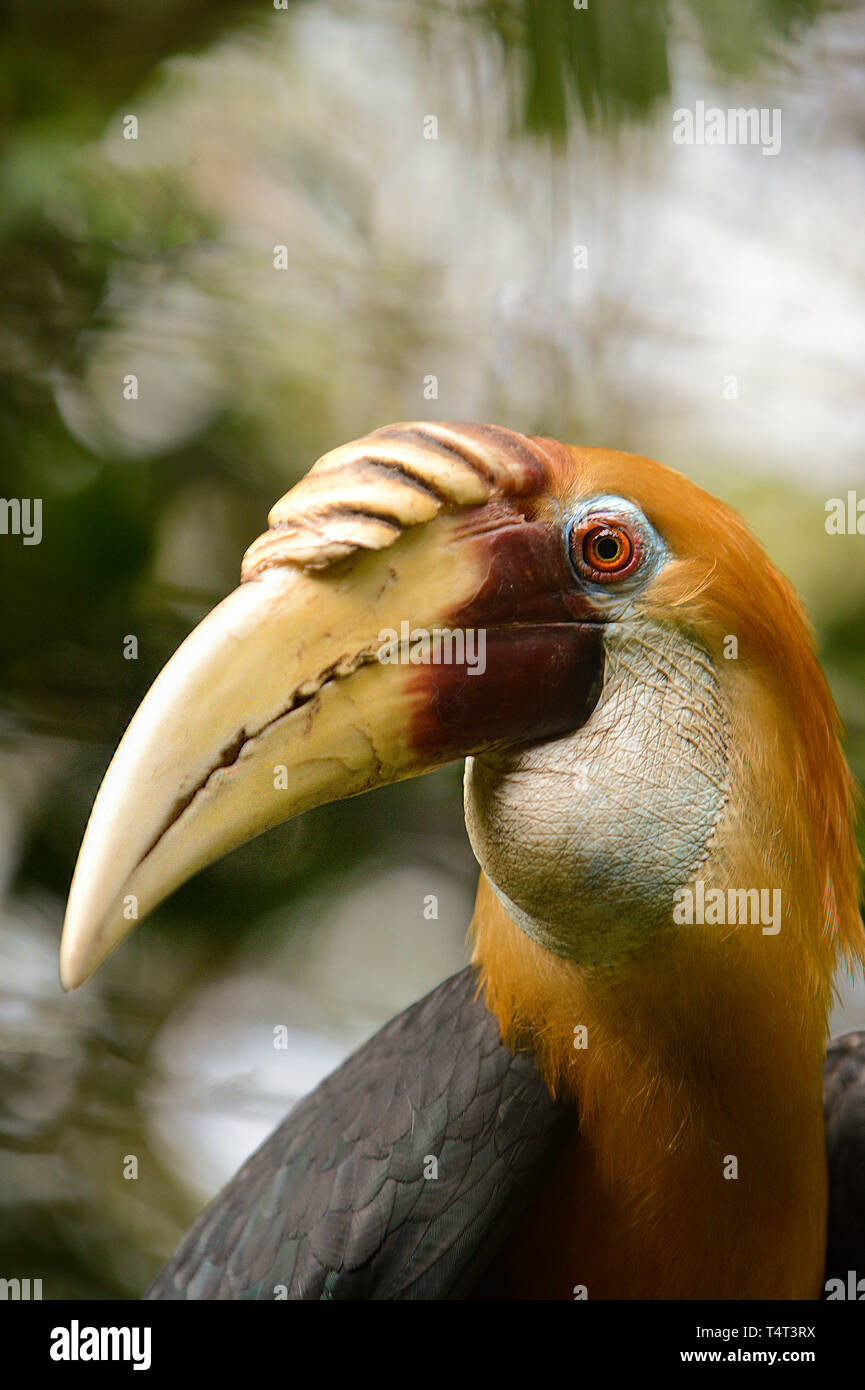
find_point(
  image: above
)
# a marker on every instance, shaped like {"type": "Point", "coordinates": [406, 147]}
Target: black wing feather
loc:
{"type": "Point", "coordinates": [335, 1203]}
{"type": "Point", "coordinates": [844, 1109]}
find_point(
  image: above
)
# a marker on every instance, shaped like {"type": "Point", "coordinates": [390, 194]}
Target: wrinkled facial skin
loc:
{"type": "Point", "coordinates": [586, 837]}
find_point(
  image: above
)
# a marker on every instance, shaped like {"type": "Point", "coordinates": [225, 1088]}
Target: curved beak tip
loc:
{"type": "Point", "coordinates": [84, 944]}
{"type": "Point", "coordinates": [73, 970]}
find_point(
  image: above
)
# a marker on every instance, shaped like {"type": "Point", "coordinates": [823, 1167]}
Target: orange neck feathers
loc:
{"type": "Point", "coordinates": [681, 1069]}
{"type": "Point", "coordinates": [702, 1052]}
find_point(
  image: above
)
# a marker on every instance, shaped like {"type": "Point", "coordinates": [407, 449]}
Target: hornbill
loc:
{"type": "Point", "coordinates": [623, 1093]}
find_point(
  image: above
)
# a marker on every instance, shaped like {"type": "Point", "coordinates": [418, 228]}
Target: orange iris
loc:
{"type": "Point", "coordinates": [607, 549]}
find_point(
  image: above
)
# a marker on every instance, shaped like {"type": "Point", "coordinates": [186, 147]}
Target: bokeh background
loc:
{"type": "Point", "coordinates": [714, 319]}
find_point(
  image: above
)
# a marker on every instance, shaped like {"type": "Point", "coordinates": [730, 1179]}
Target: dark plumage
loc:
{"type": "Point", "coordinates": [844, 1108]}
{"type": "Point", "coordinates": [335, 1203]}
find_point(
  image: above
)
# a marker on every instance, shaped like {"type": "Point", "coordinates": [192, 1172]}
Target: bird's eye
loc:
{"type": "Point", "coordinates": [603, 549]}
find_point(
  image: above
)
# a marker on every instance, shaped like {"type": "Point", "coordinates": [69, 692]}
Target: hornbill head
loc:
{"type": "Point", "coordinates": [632, 681]}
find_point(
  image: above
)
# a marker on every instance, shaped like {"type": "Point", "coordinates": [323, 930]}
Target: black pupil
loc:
{"type": "Point", "coordinates": [607, 547]}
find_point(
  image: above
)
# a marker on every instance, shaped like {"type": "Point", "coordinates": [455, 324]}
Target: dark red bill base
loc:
{"type": "Point", "coordinates": [539, 682]}
{"type": "Point", "coordinates": [544, 646]}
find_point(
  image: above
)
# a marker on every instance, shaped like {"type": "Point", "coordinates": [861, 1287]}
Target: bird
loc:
{"type": "Point", "coordinates": [622, 1096]}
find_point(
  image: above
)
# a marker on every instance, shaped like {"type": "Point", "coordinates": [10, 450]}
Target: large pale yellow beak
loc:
{"type": "Point", "coordinates": [280, 699]}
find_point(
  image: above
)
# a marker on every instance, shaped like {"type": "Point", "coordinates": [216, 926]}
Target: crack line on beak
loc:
{"type": "Point", "coordinates": [305, 692]}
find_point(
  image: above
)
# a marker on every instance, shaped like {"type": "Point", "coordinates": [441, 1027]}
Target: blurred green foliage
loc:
{"type": "Point", "coordinates": [63, 226]}
{"type": "Point", "coordinates": [609, 62]}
